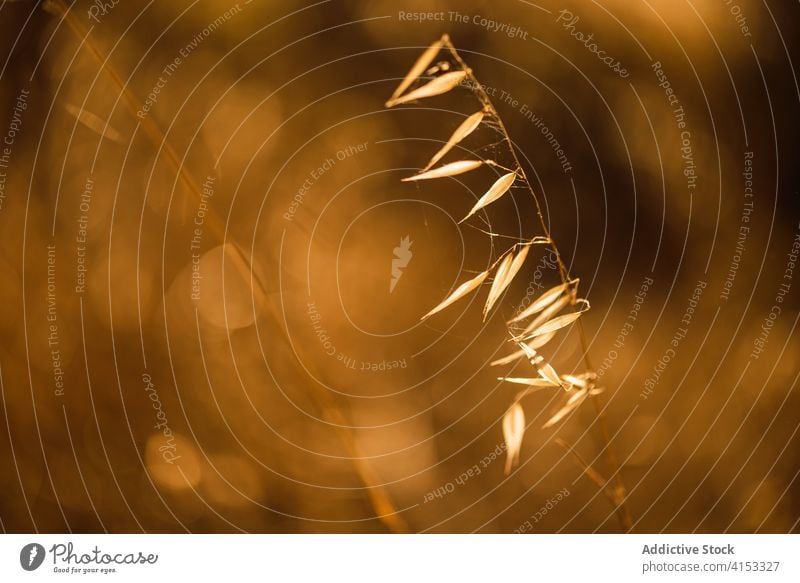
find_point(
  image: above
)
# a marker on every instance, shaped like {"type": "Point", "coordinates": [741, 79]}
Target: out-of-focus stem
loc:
{"type": "Point", "coordinates": [325, 402]}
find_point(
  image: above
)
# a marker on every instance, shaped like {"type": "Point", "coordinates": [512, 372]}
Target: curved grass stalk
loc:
{"type": "Point", "coordinates": [567, 290]}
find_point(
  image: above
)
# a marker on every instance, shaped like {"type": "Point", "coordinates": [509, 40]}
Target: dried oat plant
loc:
{"type": "Point", "coordinates": [555, 310]}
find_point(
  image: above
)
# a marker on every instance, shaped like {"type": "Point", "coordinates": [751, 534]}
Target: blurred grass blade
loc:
{"type": "Point", "coordinates": [581, 380]}
{"type": "Point", "coordinates": [439, 85]}
{"type": "Point", "coordinates": [577, 396]}
{"type": "Point", "coordinates": [513, 431]}
{"type": "Point", "coordinates": [452, 169]}
{"type": "Point", "coordinates": [570, 406]}
{"type": "Point", "coordinates": [94, 123]}
{"type": "Point", "coordinates": [460, 292]}
{"type": "Point", "coordinates": [466, 128]}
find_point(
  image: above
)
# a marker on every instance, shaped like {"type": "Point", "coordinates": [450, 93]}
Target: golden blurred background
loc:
{"type": "Point", "coordinates": [201, 206]}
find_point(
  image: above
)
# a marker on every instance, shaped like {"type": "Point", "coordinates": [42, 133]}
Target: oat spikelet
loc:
{"type": "Point", "coordinates": [416, 70]}
{"type": "Point", "coordinates": [460, 292]}
{"type": "Point", "coordinates": [559, 322]}
{"type": "Point", "coordinates": [497, 284]}
{"type": "Point", "coordinates": [466, 128]}
{"type": "Point", "coordinates": [451, 169]}
{"type": "Point", "coordinates": [545, 370]}
{"type": "Point", "coordinates": [549, 373]}
{"type": "Point", "coordinates": [516, 265]}
{"type": "Point", "coordinates": [505, 275]}
{"type": "Point", "coordinates": [498, 189]}
{"type": "Point", "coordinates": [541, 303]}
{"type": "Point", "coordinates": [513, 431]}
{"type": "Point", "coordinates": [547, 314]}
{"type": "Point", "coordinates": [439, 85]}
